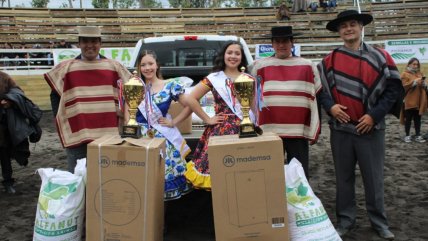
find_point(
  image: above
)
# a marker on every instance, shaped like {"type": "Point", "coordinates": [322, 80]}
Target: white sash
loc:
{"type": "Point", "coordinates": [171, 133]}
{"type": "Point", "coordinates": [218, 80]}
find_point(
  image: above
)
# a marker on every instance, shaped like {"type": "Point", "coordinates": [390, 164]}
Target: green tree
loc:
{"type": "Point", "coordinates": [39, 3]}
{"type": "Point", "coordinates": [99, 3]}
{"type": "Point", "coordinates": [150, 4]}
{"type": "Point", "coordinates": [70, 2]}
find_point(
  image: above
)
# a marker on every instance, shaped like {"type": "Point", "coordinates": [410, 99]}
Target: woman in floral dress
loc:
{"type": "Point", "coordinates": [155, 122]}
{"type": "Point", "coordinates": [226, 122]}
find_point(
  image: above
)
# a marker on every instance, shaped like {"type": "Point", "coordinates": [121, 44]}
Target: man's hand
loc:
{"type": "Point", "coordinates": [365, 124]}
{"type": "Point", "coordinates": [338, 112]}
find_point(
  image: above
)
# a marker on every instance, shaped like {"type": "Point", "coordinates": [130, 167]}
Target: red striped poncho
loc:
{"type": "Point", "coordinates": [289, 91]}
{"type": "Point", "coordinates": [365, 81]}
{"type": "Point", "coordinates": [89, 98]}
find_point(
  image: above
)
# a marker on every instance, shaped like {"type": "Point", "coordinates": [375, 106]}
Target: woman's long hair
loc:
{"type": "Point", "coordinates": [219, 60]}
{"type": "Point", "coordinates": [6, 83]}
{"type": "Point", "coordinates": [138, 67]}
{"type": "Point", "coordinates": [412, 60]}
{"type": "Point", "coordinates": [411, 69]}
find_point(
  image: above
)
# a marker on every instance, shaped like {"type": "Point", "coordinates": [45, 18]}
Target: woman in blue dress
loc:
{"type": "Point", "coordinates": [155, 122]}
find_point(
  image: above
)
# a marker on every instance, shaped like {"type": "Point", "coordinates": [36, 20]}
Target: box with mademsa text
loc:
{"type": "Point", "coordinates": [248, 188]}
{"type": "Point", "coordinates": [125, 188]}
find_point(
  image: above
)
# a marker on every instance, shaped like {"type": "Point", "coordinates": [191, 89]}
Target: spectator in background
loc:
{"type": "Point", "coordinates": [51, 46]}
{"type": "Point", "coordinates": [299, 6]}
{"type": "Point", "coordinates": [313, 6]}
{"type": "Point", "coordinates": [8, 55]}
{"type": "Point", "coordinates": [328, 5]}
{"type": "Point", "coordinates": [283, 12]}
{"type": "Point", "coordinates": [63, 45]}
{"type": "Point", "coordinates": [36, 55]}
{"type": "Point", "coordinates": [87, 87]}
{"type": "Point", "coordinates": [415, 99]}
{"type": "Point", "coordinates": [22, 55]}
{"type": "Point", "coordinates": [16, 114]}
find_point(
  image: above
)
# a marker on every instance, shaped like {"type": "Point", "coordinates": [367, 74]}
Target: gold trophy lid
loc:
{"type": "Point", "coordinates": [244, 77]}
{"type": "Point", "coordinates": [134, 80]}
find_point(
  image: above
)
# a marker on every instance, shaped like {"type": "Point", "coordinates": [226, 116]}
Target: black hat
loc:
{"type": "Point", "coordinates": [349, 15]}
{"type": "Point", "coordinates": [281, 32]}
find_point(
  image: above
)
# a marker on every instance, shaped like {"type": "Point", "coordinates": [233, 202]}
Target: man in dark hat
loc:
{"type": "Point", "coordinates": [361, 85]}
{"type": "Point", "coordinates": [289, 85]}
{"type": "Point", "coordinates": [84, 95]}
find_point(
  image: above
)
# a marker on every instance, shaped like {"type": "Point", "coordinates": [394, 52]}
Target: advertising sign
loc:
{"type": "Point", "coordinates": [266, 50]}
{"type": "Point", "coordinates": [403, 50]}
{"type": "Point", "coordinates": [122, 55]}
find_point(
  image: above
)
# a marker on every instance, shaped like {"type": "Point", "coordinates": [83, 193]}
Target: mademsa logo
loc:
{"type": "Point", "coordinates": [228, 161]}
{"type": "Point", "coordinates": [104, 161]}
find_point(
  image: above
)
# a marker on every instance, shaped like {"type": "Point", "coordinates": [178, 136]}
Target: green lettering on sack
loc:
{"type": "Point", "coordinates": [311, 220]}
{"type": "Point", "coordinates": [61, 225]}
{"type": "Point", "coordinates": [56, 232]}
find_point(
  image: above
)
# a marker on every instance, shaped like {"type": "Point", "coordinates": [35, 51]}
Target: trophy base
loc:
{"type": "Point", "coordinates": [247, 131]}
{"type": "Point", "coordinates": [131, 131]}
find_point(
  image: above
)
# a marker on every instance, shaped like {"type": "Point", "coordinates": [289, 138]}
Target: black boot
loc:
{"type": "Point", "coordinates": [8, 186]}
{"type": "Point", "coordinates": [9, 189]}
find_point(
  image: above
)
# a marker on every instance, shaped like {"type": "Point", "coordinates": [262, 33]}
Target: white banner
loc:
{"type": "Point", "coordinates": [266, 50]}
{"type": "Point", "coordinates": [122, 55]}
{"type": "Point", "coordinates": [405, 49]}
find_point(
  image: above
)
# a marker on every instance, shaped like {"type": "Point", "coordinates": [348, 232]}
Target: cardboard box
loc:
{"type": "Point", "coordinates": [125, 188]}
{"type": "Point", "coordinates": [185, 126]}
{"type": "Point", "coordinates": [248, 188]}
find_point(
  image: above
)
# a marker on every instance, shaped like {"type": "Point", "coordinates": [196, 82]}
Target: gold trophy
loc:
{"type": "Point", "coordinates": [134, 92]}
{"type": "Point", "coordinates": [244, 91]}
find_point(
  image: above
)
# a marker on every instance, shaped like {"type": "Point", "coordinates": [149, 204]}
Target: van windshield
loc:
{"type": "Point", "coordinates": [182, 53]}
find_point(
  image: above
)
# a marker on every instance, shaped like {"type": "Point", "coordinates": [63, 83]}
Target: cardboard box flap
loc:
{"type": "Point", "coordinates": [151, 143]}
{"type": "Point", "coordinates": [108, 140]}
{"type": "Point", "coordinates": [231, 139]}
{"type": "Point", "coordinates": [118, 140]}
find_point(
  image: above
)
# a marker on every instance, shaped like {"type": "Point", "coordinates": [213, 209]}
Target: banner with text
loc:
{"type": "Point", "coordinates": [122, 55]}
{"type": "Point", "coordinates": [266, 50]}
{"type": "Point", "coordinates": [403, 50]}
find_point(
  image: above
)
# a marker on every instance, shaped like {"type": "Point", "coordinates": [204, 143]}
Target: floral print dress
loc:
{"type": "Point", "coordinates": [198, 172]}
{"type": "Point", "coordinates": [175, 164]}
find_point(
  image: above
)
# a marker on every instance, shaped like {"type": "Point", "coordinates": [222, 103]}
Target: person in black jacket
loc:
{"type": "Point", "coordinates": [18, 118]}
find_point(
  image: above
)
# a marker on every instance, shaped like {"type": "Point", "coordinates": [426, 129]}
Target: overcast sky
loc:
{"type": "Point", "coordinates": [58, 3]}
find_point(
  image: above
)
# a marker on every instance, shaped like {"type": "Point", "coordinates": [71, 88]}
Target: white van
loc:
{"type": "Point", "coordinates": [186, 55]}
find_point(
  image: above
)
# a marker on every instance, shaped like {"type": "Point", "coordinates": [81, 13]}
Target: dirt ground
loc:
{"type": "Point", "coordinates": [190, 218]}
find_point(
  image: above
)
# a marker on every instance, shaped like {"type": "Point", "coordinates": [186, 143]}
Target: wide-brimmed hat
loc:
{"type": "Point", "coordinates": [282, 32]}
{"type": "Point", "coordinates": [349, 15]}
{"type": "Point", "coordinates": [89, 31]}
